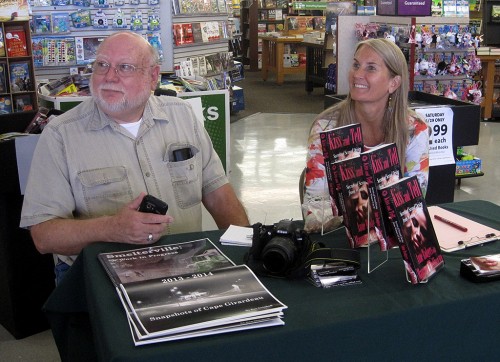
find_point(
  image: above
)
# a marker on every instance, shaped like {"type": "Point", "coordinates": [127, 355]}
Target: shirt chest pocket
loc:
{"type": "Point", "coordinates": [186, 180]}
{"type": "Point", "coordinates": [105, 190]}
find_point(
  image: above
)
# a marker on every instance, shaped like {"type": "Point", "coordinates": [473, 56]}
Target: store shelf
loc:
{"type": "Point", "coordinates": [17, 77]}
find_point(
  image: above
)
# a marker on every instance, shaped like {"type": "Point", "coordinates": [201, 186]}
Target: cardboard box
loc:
{"type": "Point", "coordinates": [237, 99]}
{"type": "Point", "coordinates": [468, 167]}
{"type": "Point", "coordinates": [404, 7]}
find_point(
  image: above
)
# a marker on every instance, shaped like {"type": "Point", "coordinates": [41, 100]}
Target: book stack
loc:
{"type": "Point", "coordinates": [338, 144]}
{"type": "Point", "coordinates": [377, 204]}
{"type": "Point", "coordinates": [187, 290]}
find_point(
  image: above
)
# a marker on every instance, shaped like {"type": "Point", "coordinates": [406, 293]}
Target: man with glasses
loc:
{"type": "Point", "coordinates": [94, 164]}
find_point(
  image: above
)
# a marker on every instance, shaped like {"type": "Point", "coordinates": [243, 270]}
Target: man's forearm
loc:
{"type": "Point", "coordinates": [225, 207]}
{"type": "Point", "coordinates": [68, 236]}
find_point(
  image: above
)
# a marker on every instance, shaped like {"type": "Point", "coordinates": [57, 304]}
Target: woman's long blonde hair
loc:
{"type": "Point", "coordinates": [396, 115]}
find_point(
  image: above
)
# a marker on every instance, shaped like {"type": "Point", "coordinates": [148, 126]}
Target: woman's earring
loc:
{"type": "Point", "coordinates": [389, 104]}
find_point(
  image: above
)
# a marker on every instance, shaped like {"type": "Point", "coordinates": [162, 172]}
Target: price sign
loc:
{"type": "Point", "coordinates": [440, 121]}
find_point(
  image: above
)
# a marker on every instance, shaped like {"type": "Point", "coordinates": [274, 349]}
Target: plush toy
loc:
{"type": "Point", "coordinates": [432, 69]}
{"type": "Point", "coordinates": [448, 93]}
{"type": "Point", "coordinates": [424, 67]}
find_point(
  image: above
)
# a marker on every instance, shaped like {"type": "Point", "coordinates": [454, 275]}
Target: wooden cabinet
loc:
{"type": "Point", "coordinates": [17, 78]}
{"type": "Point", "coordinates": [491, 86]}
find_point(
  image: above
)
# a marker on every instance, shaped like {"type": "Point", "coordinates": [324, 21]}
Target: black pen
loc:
{"type": "Point", "coordinates": [451, 223]}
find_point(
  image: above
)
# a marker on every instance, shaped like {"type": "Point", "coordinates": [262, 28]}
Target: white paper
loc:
{"type": "Point", "coordinates": [237, 235]}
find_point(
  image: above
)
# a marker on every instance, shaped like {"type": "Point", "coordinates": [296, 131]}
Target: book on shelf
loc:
{"type": "Point", "coordinates": [20, 77]}
{"type": "Point", "coordinates": [495, 14]}
{"type": "Point", "coordinates": [337, 144]}
{"type": "Point", "coordinates": [279, 14]}
{"type": "Point", "coordinates": [187, 30]}
{"type": "Point", "coordinates": [3, 77]}
{"type": "Point", "coordinates": [183, 33]}
{"type": "Point", "coordinates": [197, 35]}
{"type": "Point", "coordinates": [186, 290]}
{"type": "Point", "coordinates": [270, 3]}
{"type": "Point", "coordinates": [176, 8]}
{"type": "Point", "coordinates": [381, 167]}
{"type": "Point", "coordinates": [15, 41]}
{"type": "Point", "coordinates": [2, 43]}
{"type": "Point", "coordinates": [412, 225]}
{"type": "Point", "coordinates": [221, 6]}
{"type": "Point", "coordinates": [23, 103]}
{"type": "Point", "coordinates": [5, 105]}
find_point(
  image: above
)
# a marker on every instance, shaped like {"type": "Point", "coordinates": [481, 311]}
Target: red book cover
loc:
{"type": "Point", "coordinates": [357, 213]}
{"type": "Point", "coordinates": [15, 39]}
{"type": "Point", "coordinates": [187, 30]}
{"type": "Point", "coordinates": [412, 225]}
{"type": "Point", "coordinates": [178, 34]}
{"type": "Point", "coordinates": [338, 144]}
{"type": "Point", "coordinates": [381, 167]}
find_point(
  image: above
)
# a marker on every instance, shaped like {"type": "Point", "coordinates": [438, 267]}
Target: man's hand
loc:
{"type": "Point", "coordinates": [134, 227]}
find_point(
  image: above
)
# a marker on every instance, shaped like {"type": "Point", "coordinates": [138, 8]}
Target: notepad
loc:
{"type": "Point", "coordinates": [451, 238]}
{"type": "Point", "coordinates": [237, 235]}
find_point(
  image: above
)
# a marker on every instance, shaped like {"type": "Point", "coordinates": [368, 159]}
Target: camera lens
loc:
{"type": "Point", "coordinates": [279, 254]}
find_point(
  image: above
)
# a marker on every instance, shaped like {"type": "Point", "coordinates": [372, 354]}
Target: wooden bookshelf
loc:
{"type": "Point", "coordinates": [17, 78]}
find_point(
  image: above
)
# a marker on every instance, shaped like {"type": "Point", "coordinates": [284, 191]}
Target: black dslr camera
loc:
{"type": "Point", "coordinates": [279, 250]}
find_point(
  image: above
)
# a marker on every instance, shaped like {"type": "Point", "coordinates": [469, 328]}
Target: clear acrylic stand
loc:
{"type": "Point", "coordinates": [408, 278]}
{"type": "Point", "coordinates": [375, 256]}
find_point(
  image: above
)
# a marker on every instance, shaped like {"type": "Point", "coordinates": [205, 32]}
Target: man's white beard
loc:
{"type": "Point", "coordinates": [123, 105]}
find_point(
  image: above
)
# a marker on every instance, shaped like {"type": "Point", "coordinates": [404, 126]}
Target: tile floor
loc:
{"type": "Point", "coordinates": [267, 156]}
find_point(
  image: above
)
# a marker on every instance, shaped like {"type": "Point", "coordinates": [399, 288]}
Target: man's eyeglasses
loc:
{"type": "Point", "coordinates": [123, 70]}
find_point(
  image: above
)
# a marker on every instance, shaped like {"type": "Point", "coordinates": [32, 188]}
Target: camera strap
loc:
{"type": "Point", "coordinates": [334, 255]}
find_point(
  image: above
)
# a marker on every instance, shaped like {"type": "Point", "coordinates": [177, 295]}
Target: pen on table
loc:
{"type": "Point", "coordinates": [451, 223]}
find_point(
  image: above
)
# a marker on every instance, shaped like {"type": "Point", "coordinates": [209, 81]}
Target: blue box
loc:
{"type": "Point", "coordinates": [468, 167]}
{"type": "Point", "coordinates": [237, 99]}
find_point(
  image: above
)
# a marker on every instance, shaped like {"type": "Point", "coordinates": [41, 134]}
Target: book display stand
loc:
{"type": "Point", "coordinates": [375, 257]}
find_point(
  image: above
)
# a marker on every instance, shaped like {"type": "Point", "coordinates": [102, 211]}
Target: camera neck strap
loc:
{"type": "Point", "coordinates": [334, 255]}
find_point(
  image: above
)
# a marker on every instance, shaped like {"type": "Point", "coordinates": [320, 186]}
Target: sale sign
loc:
{"type": "Point", "coordinates": [440, 121]}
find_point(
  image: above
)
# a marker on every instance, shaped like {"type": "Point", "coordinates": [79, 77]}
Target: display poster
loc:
{"type": "Point", "coordinates": [216, 115]}
{"type": "Point", "coordinates": [440, 121]}
{"type": "Point", "coordinates": [14, 10]}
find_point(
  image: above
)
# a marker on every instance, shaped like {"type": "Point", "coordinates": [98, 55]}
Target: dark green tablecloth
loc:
{"type": "Point", "coordinates": [384, 318]}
